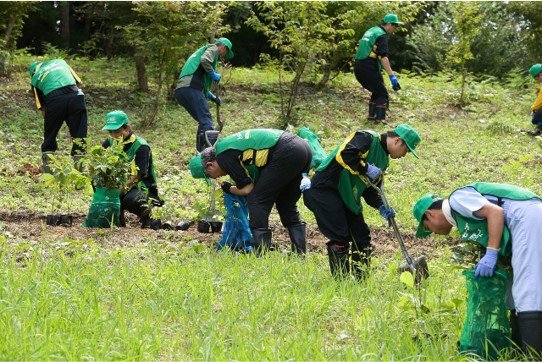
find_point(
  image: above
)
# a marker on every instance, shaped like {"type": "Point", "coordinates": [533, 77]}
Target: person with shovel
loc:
{"type": "Point", "coordinates": [340, 182]}
{"type": "Point", "coordinates": [536, 108]}
{"type": "Point", "coordinates": [194, 87]}
{"type": "Point", "coordinates": [371, 57]}
{"type": "Point", "coordinates": [140, 188]}
{"type": "Point", "coordinates": [56, 88]}
{"type": "Point", "coordinates": [266, 166]}
{"type": "Point", "coordinates": [507, 221]}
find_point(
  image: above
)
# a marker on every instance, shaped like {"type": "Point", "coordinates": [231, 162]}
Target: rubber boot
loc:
{"type": "Point", "coordinates": [380, 114]}
{"type": "Point", "coordinates": [530, 329]}
{"type": "Point", "coordinates": [145, 218]}
{"type": "Point", "coordinates": [298, 237]}
{"type": "Point", "coordinates": [361, 259]}
{"type": "Point", "coordinates": [77, 164]}
{"type": "Point", "coordinates": [338, 259]}
{"type": "Point", "coordinates": [372, 112]}
{"type": "Point", "coordinates": [201, 144]}
{"type": "Point", "coordinates": [45, 162]}
{"type": "Point", "coordinates": [261, 240]}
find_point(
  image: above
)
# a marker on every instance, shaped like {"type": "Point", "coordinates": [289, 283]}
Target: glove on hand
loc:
{"type": "Point", "coordinates": [225, 186]}
{"type": "Point", "coordinates": [214, 98]}
{"type": "Point", "coordinates": [305, 183]}
{"type": "Point", "coordinates": [386, 214]}
{"type": "Point", "coordinates": [486, 266]}
{"type": "Point", "coordinates": [394, 83]}
{"type": "Point", "coordinates": [216, 76]}
{"type": "Point", "coordinates": [373, 172]}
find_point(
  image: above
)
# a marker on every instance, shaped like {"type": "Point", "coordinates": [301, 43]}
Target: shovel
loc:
{"type": "Point", "coordinates": [211, 220]}
{"type": "Point", "coordinates": [418, 266]}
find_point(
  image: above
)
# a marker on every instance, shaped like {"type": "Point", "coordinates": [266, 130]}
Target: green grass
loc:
{"type": "Point", "coordinates": [175, 299]}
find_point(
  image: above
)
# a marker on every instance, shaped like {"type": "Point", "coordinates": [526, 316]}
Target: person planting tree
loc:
{"type": "Point", "coordinates": [140, 187]}
{"type": "Point", "coordinates": [56, 90]}
{"type": "Point", "coordinates": [371, 57]}
{"type": "Point", "coordinates": [338, 185]}
{"type": "Point", "coordinates": [194, 87]}
{"type": "Point", "coordinates": [266, 166]}
{"type": "Point", "coordinates": [536, 108]}
{"type": "Point", "coordinates": [507, 221]}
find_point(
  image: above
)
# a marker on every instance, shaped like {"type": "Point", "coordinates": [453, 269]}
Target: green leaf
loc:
{"type": "Point", "coordinates": [407, 279]}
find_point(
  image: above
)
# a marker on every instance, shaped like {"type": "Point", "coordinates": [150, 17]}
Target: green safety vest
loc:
{"type": "Point", "coordinates": [476, 230]}
{"type": "Point", "coordinates": [255, 144]}
{"type": "Point", "coordinates": [52, 75]}
{"type": "Point", "coordinates": [131, 152]}
{"type": "Point", "coordinates": [192, 64]}
{"type": "Point", "coordinates": [367, 43]}
{"type": "Point", "coordinates": [351, 183]}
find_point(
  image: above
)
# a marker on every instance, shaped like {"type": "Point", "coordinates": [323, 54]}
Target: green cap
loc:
{"type": "Point", "coordinates": [115, 120]}
{"type": "Point", "coordinates": [196, 168]}
{"type": "Point", "coordinates": [409, 136]}
{"type": "Point", "coordinates": [228, 44]}
{"type": "Point", "coordinates": [34, 67]}
{"type": "Point", "coordinates": [391, 18]}
{"type": "Point", "coordinates": [419, 209]}
{"type": "Point", "coordinates": [535, 70]}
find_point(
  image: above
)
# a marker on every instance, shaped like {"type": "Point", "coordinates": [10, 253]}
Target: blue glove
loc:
{"type": "Point", "coordinates": [486, 266]}
{"type": "Point", "coordinates": [386, 214]}
{"type": "Point", "coordinates": [394, 83]}
{"type": "Point", "coordinates": [216, 76]}
{"type": "Point", "coordinates": [214, 98]}
{"type": "Point", "coordinates": [305, 183]}
{"type": "Point", "coordinates": [373, 172]}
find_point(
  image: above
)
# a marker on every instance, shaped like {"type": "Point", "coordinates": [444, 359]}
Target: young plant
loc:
{"type": "Point", "coordinates": [109, 167]}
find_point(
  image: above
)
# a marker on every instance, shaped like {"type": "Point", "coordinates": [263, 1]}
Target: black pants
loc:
{"type": "Point", "coordinates": [370, 78]}
{"type": "Point", "coordinates": [68, 107]}
{"type": "Point", "coordinates": [279, 183]}
{"type": "Point", "coordinates": [335, 220]}
{"type": "Point", "coordinates": [136, 202]}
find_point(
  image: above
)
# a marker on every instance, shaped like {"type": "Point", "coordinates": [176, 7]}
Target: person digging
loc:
{"type": "Point", "coordinates": [141, 187]}
{"type": "Point", "coordinates": [338, 186]}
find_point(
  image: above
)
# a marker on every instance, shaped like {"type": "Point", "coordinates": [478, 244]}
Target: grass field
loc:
{"type": "Point", "coordinates": [72, 294]}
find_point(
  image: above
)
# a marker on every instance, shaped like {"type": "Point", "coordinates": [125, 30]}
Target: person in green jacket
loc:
{"type": "Point", "coordinates": [341, 181]}
{"type": "Point", "coordinates": [57, 92]}
{"type": "Point", "coordinates": [536, 108]}
{"type": "Point", "coordinates": [373, 55]}
{"type": "Point", "coordinates": [140, 188]}
{"type": "Point", "coordinates": [194, 87]}
{"type": "Point", "coordinates": [507, 221]}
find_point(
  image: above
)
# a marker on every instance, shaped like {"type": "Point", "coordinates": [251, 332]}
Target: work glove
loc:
{"type": "Point", "coordinates": [226, 186]}
{"type": "Point", "coordinates": [214, 98]}
{"type": "Point", "coordinates": [394, 83]}
{"type": "Point", "coordinates": [386, 214]}
{"type": "Point", "coordinates": [373, 172]}
{"type": "Point", "coordinates": [216, 76]}
{"type": "Point", "coordinates": [486, 266]}
{"type": "Point", "coordinates": [305, 183]}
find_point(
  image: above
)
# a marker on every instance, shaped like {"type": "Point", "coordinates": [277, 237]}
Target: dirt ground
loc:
{"type": "Point", "coordinates": [24, 227]}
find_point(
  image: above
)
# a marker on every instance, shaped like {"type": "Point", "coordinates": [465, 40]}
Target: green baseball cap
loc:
{"type": "Point", "coordinates": [391, 18]}
{"type": "Point", "coordinates": [115, 120]}
{"type": "Point", "coordinates": [419, 209]}
{"type": "Point", "coordinates": [409, 136]}
{"type": "Point", "coordinates": [535, 70]}
{"type": "Point", "coordinates": [228, 44]}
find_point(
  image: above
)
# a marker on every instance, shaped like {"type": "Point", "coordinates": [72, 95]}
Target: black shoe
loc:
{"type": "Point", "coordinates": [145, 222]}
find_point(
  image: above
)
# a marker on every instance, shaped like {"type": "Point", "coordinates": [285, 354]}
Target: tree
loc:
{"type": "Point", "coordinates": [13, 15]}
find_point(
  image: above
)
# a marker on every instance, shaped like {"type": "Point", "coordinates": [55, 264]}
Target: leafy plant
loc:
{"type": "Point", "coordinates": [108, 167]}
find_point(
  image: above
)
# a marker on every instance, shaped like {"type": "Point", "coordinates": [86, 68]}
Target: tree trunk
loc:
{"type": "Point", "coordinates": [142, 80]}
{"type": "Point", "coordinates": [65, 22]}
{"type": "Point", "coordinates": [7, 38]}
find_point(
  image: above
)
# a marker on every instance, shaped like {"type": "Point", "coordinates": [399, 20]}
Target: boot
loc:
{"type": "Point", "coordinates": [201, 144]}
{"type": "Point", "coordinates": [372, 112]}
{"type": "Point", "coordinates": [77, 164]}
{"type": "Point", "coordinates": [381, 114]}
{"type": "Point", "coordinates": [338, 259]}
{"type": "Point", "coordinates": [297, 236]}
{"type": "Point", "coordinates": [145, 219]}
{"type": "Point", "coordinates": [45, 162]}
{"type": "Point", "coordinates": [361, 259]}
{"type": "Point", "coordinates": [261, 240]}
{"type": "Point", "coordinates": [530, 330]}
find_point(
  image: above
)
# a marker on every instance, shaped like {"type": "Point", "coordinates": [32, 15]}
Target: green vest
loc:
{"type": "Point", "coordinates": [52, 75]}
{"type": "Point", "coordinates": [131, 152]}
{"type": "Point", "coordinates": [192, 64]}
{"type": "Point", "coordinates": [351, 183]}
{"type": "Point", "coordinates": [367, 43]}
{"type": "Point", "coordinates": [476, 230]}
{"type": "Point", "coordinates": [255, 144]}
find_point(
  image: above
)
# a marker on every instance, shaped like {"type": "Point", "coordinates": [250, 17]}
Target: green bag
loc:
{"type": "Point", "coordinates": [104, 211]}
{"type": "Point", "coordinates": [487, 328]}
{"type": "Point", "coordinates": [318, 153]}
